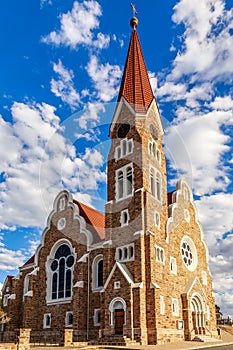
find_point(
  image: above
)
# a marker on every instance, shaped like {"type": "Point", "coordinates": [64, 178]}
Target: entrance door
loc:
{"type": "Point", "coordinates": [119, 321]}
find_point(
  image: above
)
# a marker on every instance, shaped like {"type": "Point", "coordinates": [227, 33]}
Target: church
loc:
{"type": "Point", "coordinates": [138, 274]}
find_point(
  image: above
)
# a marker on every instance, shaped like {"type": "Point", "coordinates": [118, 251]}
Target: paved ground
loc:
{"type": "Point", "coordinates": [225, 344]}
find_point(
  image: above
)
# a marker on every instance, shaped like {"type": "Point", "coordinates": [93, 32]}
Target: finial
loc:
{"type": "Point", "coordinates": [134, 20]}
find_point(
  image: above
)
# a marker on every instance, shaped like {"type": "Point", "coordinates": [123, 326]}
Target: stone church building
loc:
{"type": "Point", "coordinates": [140, 272]}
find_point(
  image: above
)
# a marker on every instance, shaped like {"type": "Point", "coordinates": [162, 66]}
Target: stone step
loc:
{"type": "Point", "coordinates": [205, 338]}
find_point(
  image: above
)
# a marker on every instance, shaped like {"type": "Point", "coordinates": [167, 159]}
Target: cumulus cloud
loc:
{"type": "Point", "coordinates": [77, 27]}
{"type": "Point", "coordinates": [63, 87]}
{"type": "Point", "coordinates": [105, 78]}
{"type": "Point", "coordinates": [207, 50]}
{"type": "Point", "coordinates": [42, 162]}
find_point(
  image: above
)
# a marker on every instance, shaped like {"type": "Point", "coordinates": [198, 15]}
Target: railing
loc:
{"type": "Point", "coordinates": [46, 338]}
{"type": "Point", "coordinates": [9, 337]}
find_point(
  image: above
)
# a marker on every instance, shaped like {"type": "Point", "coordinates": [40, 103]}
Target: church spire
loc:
{"type": "Point", "coordinates": [135, 85]}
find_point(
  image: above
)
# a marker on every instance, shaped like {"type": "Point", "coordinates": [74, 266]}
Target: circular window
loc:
{"type": "Point", "coordinates": [54, 265]}
{"type": "Point", "coordinates": [70, 261]}
{"type": "Point", "coordinates": [189, 253]}
{"type": "Point", "coordinates": [61, 223]}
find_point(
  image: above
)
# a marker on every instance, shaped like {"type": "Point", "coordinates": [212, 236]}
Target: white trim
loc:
{"type": "Point", "coordinates": [192, 261]}
{"type": "Point", "coordinates": [175, 307]}
{"type": "Point", "coordinates": [79, 284]}
{"type": "Point", "coordinates": [159, 254]}
{"type": "Point", "coordinates": [49, 272]}
{"type": "Point", "coordinates": [111, 308]}
{"type": "Point", "coordinates": [173, 263]}
{"type": "Point", "coordinates": [44, 321]}
{"type": "Point", "coordinates": [67, 319]}
{"type": "Point", "coordinates": [154, 285]}
{"type": "Point", "coordinates": [124, 182]}
{"type": "Point", "coordinates": [125, 272]}
{"type": "Point", "coordinates": [95, 317]}
{"type": "Point", "coordinates": [162, 305]}
{"type": "Point", "coordinates": [95, 263]}
{"type": "Point", "coordinates": [125, 253]}
{"type": "Point", "coordinates": [122, 218]}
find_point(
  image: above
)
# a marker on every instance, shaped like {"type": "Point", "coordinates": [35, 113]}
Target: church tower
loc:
{"type": "Point", "coordinates": [136, 209]}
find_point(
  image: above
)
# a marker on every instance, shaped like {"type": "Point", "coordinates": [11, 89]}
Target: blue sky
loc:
{"type": "Point", "coordinates": [60, 68]}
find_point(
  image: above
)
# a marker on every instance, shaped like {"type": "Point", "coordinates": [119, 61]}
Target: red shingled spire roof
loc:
{"type": "Point", "coordinates": [135, 85]}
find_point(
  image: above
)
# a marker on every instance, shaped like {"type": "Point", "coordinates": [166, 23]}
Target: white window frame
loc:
{"type": "Point", "coordinates": [125, 148]}
{"type": "Point", "coordinates": [62, 204]}
{"type": "Point", "coordinates": [122, 219]}
{"type": "Point", "coordinates": [155, 182]}
{"type": "Point", "coordinates": [5, 300]}
{"type": "Point", "coordinates": [95, 264]}
{"type": "Point", "coordinates": [162, 305]}
{"type": "Point", "coordinates": [45, 321]}
{"type": "Point", "coordinates": [175, 307]}
{"type": "Point", "coordinates": [124, 253]}
{"type": "Point", "coordinates": [95, 317]}
{"type": "Point", "coordinates": [50, 273]}
{"type": "Point", "coordinates": [125, 189]}
{"type": "Point", "coordinates": [173, 263]}
{"type": "Point", "coordinates": [154, 151]}
{"type": "Point", "coordinates": [157, 219]}
{"type": "Point", "coordinates": [159, 254]}
{"type": "Point", "coordinates": [67, 324]}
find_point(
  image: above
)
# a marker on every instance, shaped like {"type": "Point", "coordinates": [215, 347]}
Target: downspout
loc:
{"type": "Point", "coordinates": [88, 293]}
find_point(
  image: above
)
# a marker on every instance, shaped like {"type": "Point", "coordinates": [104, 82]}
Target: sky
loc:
{"type": "Point", "coordinates": [61, 64]}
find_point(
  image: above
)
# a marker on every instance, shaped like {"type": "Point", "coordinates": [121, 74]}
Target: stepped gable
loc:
{"type": "Point", "coordinates": [135, 85]}
{"type": "Point", "coordinates": [94, 219]}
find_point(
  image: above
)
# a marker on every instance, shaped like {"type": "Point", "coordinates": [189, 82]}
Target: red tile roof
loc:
{"type": "Point", "coordinates": [94, 218]}
{"type": "Point", "coordinates": [135, 85]}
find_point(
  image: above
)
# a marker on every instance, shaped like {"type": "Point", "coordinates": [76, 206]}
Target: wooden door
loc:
{"type": "Point", "coordinates": [119, 321]}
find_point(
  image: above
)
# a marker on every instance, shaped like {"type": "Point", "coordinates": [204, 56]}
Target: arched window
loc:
{"type": "Point", "coordinates": [61, 268]}
{"type": "Point", "coordinates": [129, 181]}
{"type": "Point", "coordinates": [155, 183]}
{"type": "Point", "coordinates": [120, 182]}
{"type": "Point", "coordinates": [97, 273]}
{"type": "Point", "coordinates": [152, 181]}
{"type": "Point", "coordinates": [158, 186]}
{"type": "Point", "coordinates": [124, 182]}
{"type": "Point", "coordinates": [100, 273]}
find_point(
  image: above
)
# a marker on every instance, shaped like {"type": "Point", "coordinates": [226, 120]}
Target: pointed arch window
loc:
{"type": "Point", "coordinates": [97, 273]}
{"type": "Point", "coordinates": [124, 182]}
{"type": "Point", "coordinates": [60, 273]}
{"type": "Point", "coordinates": [155, 183]}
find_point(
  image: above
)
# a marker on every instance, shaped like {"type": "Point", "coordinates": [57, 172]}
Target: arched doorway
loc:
{"type": "Point", "coordinates": [117, 309]}
{"type": "Point", "coordinates": [198, 314]}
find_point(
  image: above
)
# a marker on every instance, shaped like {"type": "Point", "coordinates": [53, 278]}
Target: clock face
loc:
{"type": "Point", "coordinates": [154, 132]}
{"type": "Point", "coordinates": [123, 130]}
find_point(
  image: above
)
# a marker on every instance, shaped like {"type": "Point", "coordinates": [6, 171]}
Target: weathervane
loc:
{"type": "Point", "coordinates": [134, 9]}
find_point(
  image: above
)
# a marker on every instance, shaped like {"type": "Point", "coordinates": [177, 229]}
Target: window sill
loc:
{"type": "Point", "coordinates": [59, 301]}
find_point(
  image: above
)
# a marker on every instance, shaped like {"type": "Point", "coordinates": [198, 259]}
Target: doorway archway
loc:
{"type": "Point", "coordinates": [198, 314]}
{"type": "Point", "coordinates": [117, 310]}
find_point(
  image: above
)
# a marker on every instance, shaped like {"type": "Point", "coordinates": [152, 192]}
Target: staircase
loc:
{"type": "Point", "coordinates": [205, 338]}
{"type": "Point", "coordinates": [115, 340]}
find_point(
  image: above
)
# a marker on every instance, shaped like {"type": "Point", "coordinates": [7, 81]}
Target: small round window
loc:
{"type": "Point", "coordinates": [189, 253]}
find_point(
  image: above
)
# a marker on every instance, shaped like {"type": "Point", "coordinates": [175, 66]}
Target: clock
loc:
{"type": "Point", "coordinates": [123, 130]}
{"type": "Point", "coordinates": [154, 132]}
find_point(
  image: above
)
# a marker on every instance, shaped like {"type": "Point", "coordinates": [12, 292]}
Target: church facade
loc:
{"type": "Point", "coordinates": [140, 272]}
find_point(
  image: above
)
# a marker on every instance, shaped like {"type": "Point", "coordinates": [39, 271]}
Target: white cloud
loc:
{"type": "Point", "coordinates": [215, 213]}
{"type": "Point", "coordinates": [77, 26]}
{"type": "Point", "coordinates": [42, 161]}
{"type": "Point", "coordinates": [105, 77]}
{"type": "Point", "coordinates": [10, 260]}
{"type": "Point", "coordinates": [64, 86]}
{"type": "Point", "coordinates": [223, 103]}
{"type": "Point", "coordinates": [196, 145]}
{"type": "Point", "coordinates": [207, 52]}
